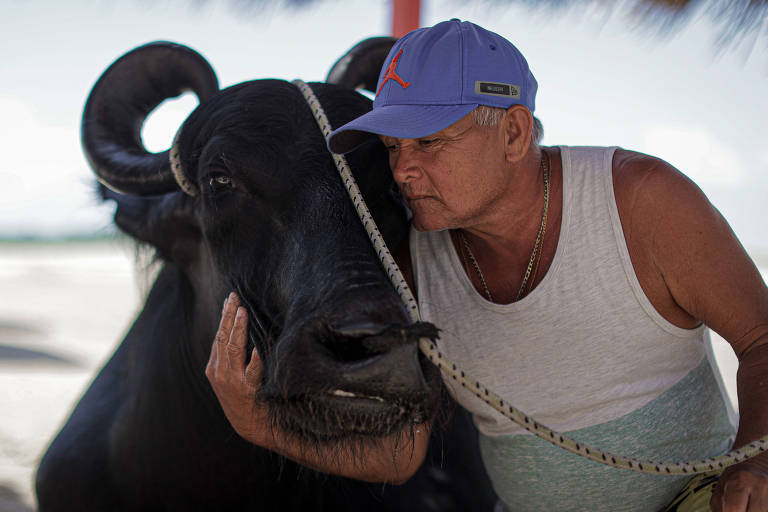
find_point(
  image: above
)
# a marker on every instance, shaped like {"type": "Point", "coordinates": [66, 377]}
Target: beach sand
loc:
{"type": "Point", "coordinates": [64, 307]}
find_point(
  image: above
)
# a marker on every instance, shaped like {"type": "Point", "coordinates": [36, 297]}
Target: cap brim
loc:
{"type": "Point", "coordinates": [402, 121]}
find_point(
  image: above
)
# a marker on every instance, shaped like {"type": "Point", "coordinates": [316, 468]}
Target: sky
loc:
{"type": "Point", "coordinates": [602, 81]}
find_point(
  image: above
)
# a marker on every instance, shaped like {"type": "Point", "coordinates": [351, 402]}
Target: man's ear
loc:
{"type": "Point", "coordinates": [518, 124]}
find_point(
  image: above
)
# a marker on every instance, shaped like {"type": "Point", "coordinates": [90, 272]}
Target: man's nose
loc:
{"type": "Point", "coordinates": [405, 166]}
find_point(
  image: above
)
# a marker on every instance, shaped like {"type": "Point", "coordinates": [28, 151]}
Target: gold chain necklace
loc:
{"type": "Point", "coordinates": [537, 246]}
{"type": "Point", "coordinates": [474, 264]}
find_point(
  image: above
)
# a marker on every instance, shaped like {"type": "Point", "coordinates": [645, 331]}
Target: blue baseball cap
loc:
{"type": "Point", "coordinates": [435, 76]}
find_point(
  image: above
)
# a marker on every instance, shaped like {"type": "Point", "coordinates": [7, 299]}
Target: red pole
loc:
{"type": "Point", "coordinates": [405, 16]}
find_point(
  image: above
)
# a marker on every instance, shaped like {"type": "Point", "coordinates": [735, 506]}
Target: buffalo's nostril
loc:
{"type": "Point", "coordinates": [350, 343]}
{"type": "Point", "coordinates": [397, 371]}
{"type": "Point", "coordinates": [369, 359]}
{"type": "Point", "coordinates": [359, 330]}
{"type": "Point", "coordinates": [347, 349]}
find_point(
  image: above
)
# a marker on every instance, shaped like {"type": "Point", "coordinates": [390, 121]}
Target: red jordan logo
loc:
{"type": "Point", "coordinates": [392, 73]}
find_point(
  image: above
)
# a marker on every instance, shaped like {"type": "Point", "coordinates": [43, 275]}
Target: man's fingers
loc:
{"type": "Point", "coordinates": [236, 344]}
{"type": "Point", "coordinates": [741, 491]}
{"type": "Point", "coordinates": [735, 500]}
{"type": "Point", "coordinates": [234, 299]}
{"type": "Point", "coordinates": [254, 370]}
{"type": "Point", "coordinates": [226, 323]}
{"type": "Point", "coordinates": [758, 502]}
{"type": "Point", "coordinates": [219, 339]}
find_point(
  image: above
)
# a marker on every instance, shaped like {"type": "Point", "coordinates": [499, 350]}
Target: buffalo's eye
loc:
{"type": "Point", "coordinates": [218, 182]}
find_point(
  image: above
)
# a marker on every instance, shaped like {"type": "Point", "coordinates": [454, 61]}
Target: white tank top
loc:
{"type": "Point", "coordinates": [584, 348]}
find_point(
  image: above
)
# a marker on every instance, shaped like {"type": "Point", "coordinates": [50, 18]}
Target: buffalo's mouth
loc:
{"type": "Point", "coordinates": [350, 394]}
{"type": "Point", "coordinates": [330, 417]}
{"type": "Point", "coordinates": [355, 382]}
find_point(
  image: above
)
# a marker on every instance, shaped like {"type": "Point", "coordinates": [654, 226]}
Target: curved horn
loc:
{"type": "Point", "coordinates": [361, 65]}
{"type": "Point", "coordinates": [133, 86]}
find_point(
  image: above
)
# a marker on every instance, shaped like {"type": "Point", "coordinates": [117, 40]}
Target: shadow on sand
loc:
{"type": "Point", "coordinates": [14, 334]}
{"type": "Point", "coordinates": [10, 500]}
{"type": "Point", "coordinates": [11, 353]}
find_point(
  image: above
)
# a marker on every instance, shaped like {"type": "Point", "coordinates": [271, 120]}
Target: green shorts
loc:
{"type": "Point", "coordinates": [696, 495]}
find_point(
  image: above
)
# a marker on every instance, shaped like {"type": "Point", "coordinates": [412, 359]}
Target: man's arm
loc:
{"type": "Point", "coordinates": [694, 270]}
{"type": "Point", "coordinates": [393, 459]}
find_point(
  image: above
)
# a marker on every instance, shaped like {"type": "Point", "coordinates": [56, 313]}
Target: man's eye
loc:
{"type": "Point", "coordinates": [427, 142]}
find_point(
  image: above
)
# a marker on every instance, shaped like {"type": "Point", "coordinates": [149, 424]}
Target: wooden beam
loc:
{"type": "Point", "coordinates": [405, 16]}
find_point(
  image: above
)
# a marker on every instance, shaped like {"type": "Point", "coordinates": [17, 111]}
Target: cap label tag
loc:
{"type": "Point", "coordinates": [497, 89]}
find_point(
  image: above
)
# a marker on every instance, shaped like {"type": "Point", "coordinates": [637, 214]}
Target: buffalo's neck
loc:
{"type": "Point", "coordinates": [169, 411]}
{"type": "Point", "coordinates": [172, 382]}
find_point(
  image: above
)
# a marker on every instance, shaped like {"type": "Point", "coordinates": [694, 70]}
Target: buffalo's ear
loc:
{"type": "Point", "coordinates": [370, 167]}
{"type": "Point", "coordinates": [359, 68]}
{"type": "Point", "coordinates": [395, 220]}
{"type": "Point", "coordinates": [167, 222]}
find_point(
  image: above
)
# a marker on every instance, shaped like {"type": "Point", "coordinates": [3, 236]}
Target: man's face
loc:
{"type": "Point", "coordinates": [452, 178]}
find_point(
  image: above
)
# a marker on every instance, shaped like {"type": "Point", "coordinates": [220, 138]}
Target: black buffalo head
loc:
{"type": "Point", "coordinates": [265, 214]}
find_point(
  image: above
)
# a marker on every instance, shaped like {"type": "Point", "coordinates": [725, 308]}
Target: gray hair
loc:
{"type": "Point", "coordinates": [490, 116]}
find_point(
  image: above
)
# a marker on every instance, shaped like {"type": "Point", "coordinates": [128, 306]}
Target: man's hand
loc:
{"type": "Point", "coordinates": [234, 383]}
{"type": "Point", "coordinates": [742, 488]}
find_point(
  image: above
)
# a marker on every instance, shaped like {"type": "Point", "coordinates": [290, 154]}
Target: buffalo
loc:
{"type": "Point", "coordinates": [254, 205]}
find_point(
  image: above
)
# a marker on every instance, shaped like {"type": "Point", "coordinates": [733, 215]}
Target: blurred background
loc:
{"type": "Point", "coordinates": [685, 81]}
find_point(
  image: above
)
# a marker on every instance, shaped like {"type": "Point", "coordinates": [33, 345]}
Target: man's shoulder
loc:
{"type": "Point", "coordinates": [639, 175]}
{"type": "Point", "coordinates": [634, 171]}
{"type": "Point", "coordinates": [635, 161]}
{"type": "Point", "coordinates": [653, 197]}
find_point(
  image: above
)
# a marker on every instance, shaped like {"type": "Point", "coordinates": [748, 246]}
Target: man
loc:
{"type": "Point", "coordinates": [575, 282]}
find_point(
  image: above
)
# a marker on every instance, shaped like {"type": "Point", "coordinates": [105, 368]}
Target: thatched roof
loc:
{"type": "Point", "coordinates": [735, 21]}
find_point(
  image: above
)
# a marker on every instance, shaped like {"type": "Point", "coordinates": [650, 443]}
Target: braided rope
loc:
{"type": "Point", "coordinates": [174, 155]}
{"type": "Point", "coordinates": [429, 348]}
